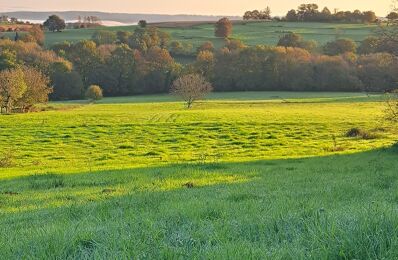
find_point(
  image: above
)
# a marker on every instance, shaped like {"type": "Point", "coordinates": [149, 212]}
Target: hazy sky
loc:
{"type": "Point", "coordinates": [216, 7]}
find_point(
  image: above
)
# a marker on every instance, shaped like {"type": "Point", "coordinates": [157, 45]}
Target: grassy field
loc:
{"type": "Point", "coordinates": [242, 175]}
{"type": "Point", "coordinates": [251, 33]}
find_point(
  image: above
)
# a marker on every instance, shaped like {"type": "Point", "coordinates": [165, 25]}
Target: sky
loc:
{"type": "Point", "coordinates": [211, 7]}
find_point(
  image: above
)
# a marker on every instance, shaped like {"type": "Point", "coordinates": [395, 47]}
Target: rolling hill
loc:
{"type": "Point", "coordinates": [124, 18]}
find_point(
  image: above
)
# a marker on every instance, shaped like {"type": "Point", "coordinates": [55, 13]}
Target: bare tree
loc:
{"type": "Point", "coordinates": [392, 106]}
{"type": "Point", "coordinates": [191, 88]}
{"type": "Point", "coordinates": [388, 32]}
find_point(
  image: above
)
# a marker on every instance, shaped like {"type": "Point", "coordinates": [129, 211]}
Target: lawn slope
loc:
{"type": "Point", "coordinates": [242, 175]}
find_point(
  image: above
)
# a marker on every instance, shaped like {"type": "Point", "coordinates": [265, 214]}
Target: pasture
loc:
{"type": "Point", "coordinates": [242, 175]}
{"type": "Point", "coordinates": [251, 33]}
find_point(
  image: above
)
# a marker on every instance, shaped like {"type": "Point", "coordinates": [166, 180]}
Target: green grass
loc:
{"type": "Point", "coordinates": [251, 33]}
{"type": "Point", "coordinates": [268, 33]}
{"type": "Point", "coordinates": [243, 175]}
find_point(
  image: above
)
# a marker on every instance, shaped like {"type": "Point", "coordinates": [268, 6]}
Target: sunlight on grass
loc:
{"type": "Point", "coordinates": [91, 138]}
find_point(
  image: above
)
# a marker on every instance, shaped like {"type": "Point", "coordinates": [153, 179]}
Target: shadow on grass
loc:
{"type": "Point", "coordinates": [298, 208]}
{"type": "Point", "coordinates": [37, 192]}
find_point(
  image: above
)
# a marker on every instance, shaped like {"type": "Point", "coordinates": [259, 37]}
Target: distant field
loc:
{"type": "Point", "coordinates": [21, 27]}
{"type": "Point", "coordinates": [257, 33]}
{"type": "Point", "coordinates": [252, 33]}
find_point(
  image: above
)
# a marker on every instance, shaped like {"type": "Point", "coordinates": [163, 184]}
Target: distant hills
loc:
{"type": "Point", "coordinates": [123, 18]}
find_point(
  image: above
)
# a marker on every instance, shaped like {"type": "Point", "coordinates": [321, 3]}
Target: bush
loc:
{"type": "Point", "coordinates": [357, 132]}
{"type": "Point", "coordinates": [7, 159]}
{"type": "Point", "coordinates": [94, 93]}
{"type": "Point", "coordinates": [339, 46]}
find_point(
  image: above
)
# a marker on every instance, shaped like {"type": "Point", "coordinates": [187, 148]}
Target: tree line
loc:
{"type": "Point", "coordinates": [312, 13]}
{"type": "Point", "coordinates": [140, 62]}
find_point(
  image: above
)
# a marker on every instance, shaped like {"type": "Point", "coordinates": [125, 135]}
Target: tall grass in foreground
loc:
{"type": "Point", "coordinates": [338, 207]}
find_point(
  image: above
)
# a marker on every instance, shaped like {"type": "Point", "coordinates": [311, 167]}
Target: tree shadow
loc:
{"type": "Point", "coordinates": [35, 192]}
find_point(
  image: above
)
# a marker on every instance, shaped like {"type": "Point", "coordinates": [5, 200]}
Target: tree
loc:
{"type": "Point", "coordinates": [144, 39]}
{"type": "Point", "coordinates": [326, 15]}
{"type": "Point", "coordinates": [205, 63]}
{"type": "Point", "coordinates": [234, 45]}
{"type": "Point", "coordinates": [160, 70]}
{"type": "Point", "coordinates": [308, 12]}
{"type": "Point", "coordinates": [55, 24]}
{"type": "Point", "coordinates": [104, 37]}
{"type": "Point", "coordinates": [392, 106]}
{"type": "Point", "coordinates": [191, 88]}
{"type": "Point", "coordinates": [296, 41]}
{"type": "Point", "coordinates": [334, 73]}
{"type": "Point", "coordinates": [339, 46]}
{"type": "Point", "coordinates": [392, 16]}
{"type": "Point", "coordinates": [85, 57]}
{"type": "Point", "coordinates": [37, 90]}
{"type": "Point", "coordinates": [67, 84]}
{"type": "Point", "coordinates": [8, 59]}
{"type": "Point", "coordinates": [369, 45]}
{"type": "Point", "coordinates": [12, 88]}
{"type": "Point", "coordinates": [290, 40]}
{"type": "Point", "coordinates": [35, 34]}
{"type": "Point", "coordinates": [292, 16]}
{"type": "Point", "coordinates": [266, 14]}
{"type": "Point", "coordinates": [248, 15]}
{"type": "Point", "coordinates": [378, 72]}
{"type": "Point", "coordinates": [123, 37]}
{"type": "Point", "coordinates": [94, 93]}
{"type": "Point", "coordinates": [179, 48]}
{"type": "Point", "coordinates": [120, 71]}
{"type": "Point", "coordinates": [258, 15]}
{"type": "Point", "coordinates": [223, 28]}
{"type": "Point", "coordinates": [206, 46]}
{"type": "Point", "coordinates": [142, 23]}
{"type": "Point", "coordinates": [369, 17]}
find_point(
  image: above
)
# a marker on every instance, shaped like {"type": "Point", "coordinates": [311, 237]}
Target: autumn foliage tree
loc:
{"type": "Point", "coordinates": [339, 46]}
{"type": "Point", "coordinates": [191, 88]}
{"type": "Point", "coordinates": [296, 41]}
{"type": "Point", "coordinates": [37, 90]}
{"type": "Point", "coordinates": [35, 34]}
{"type": "Point", "coordinates": [22, 88]}
{"type": "Point", "coordinates": [12, 88]}
{"type": "Point", "coordinates": [94, 93]}
{"type": "Point", "coordinates": [223, 28]}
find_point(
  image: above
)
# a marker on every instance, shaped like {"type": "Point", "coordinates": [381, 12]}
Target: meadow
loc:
{"type": "Point", "coordinates": [251, 33]}
{"type": "Point", "coordinates": [241, 175]}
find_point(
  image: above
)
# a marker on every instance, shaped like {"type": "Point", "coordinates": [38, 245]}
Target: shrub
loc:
{"type": "Point", "coordinates": [339, 46]}
{"type": "Point", "coordinates": [7, 159]}
{"type": "Point", "coordinates": [94, 93]}
{"type": "Point", "coordinates": [357, 132]}
{"type": "Point", "coordinates": [353, 132]}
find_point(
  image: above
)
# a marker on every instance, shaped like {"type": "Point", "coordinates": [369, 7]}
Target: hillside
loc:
{"type": "Point", "coordinates": [125, 18]}
{"type": "Point", "coordinates": [251, 33]}
{"type": "Point", "coordinates": [241, 176]}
